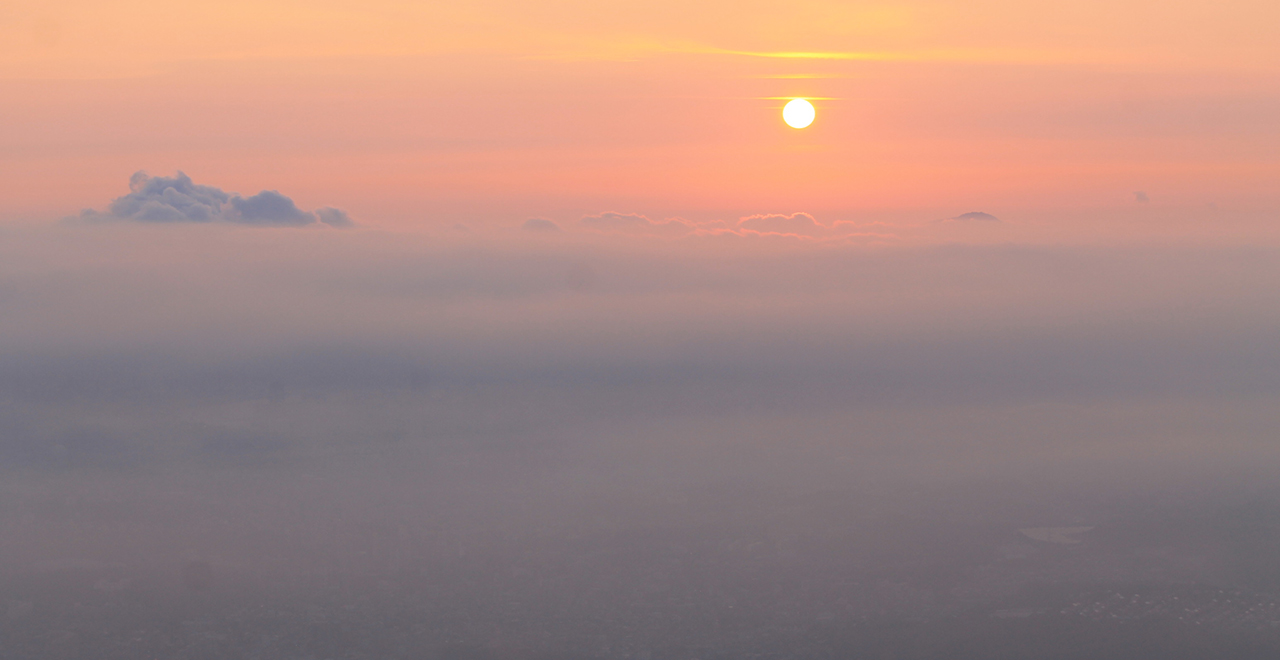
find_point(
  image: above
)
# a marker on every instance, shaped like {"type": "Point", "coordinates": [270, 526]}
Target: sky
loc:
{"type": "Point", "coordinates": [282, 280]}
{"type": "Point", "coordinates": [1057, 115]}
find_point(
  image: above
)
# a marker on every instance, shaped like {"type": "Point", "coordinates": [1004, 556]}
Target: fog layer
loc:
{"type": "Point", "coordinates": [297, 407]}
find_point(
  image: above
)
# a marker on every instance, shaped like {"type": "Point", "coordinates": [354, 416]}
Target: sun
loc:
{"type": "Point", "coordinates": [798, 113]}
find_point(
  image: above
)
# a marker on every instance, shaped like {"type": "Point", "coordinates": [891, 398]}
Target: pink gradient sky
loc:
{"type": "Point", "coordinates": [427, 114]}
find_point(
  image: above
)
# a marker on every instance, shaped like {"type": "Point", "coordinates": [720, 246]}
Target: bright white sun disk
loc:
{"type": "Point", "coordinates": [798, 113]}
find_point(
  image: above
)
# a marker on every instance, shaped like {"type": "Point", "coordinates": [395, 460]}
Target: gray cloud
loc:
{"type": "Point", "coordinates": [168, 199]}
{"type": "Point", "coordinates": [795, 225]}
{"type": "Point", "coordinates": [616, 220]}
{"type": "Point", "coordinates": [798, 226]}
{"type": "Point", "coordinates": [633, 223]}
{"type": "Point", "coordinates": [178, 199]}
{"type": "Point", "coordinates": [975, 216]}
{"type": "Point", "coordinates": [540, 225]}
{"type": "Point", "coordinates": [269, 208]}
{"type": "Point", "coordinates": [801, 224]}
{"type": "Point", "coordinates": [334, 217]}
{"type": "Point", "coordinates": [1141, 197]}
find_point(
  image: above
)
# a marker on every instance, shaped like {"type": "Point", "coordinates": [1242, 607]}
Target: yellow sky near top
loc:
{"type": "Point", "coordinates": [88, 38]}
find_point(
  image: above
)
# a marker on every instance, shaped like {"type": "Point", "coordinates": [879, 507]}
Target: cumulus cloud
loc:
{"type": "Point", "coordinates": [176, 199]}
{"type": "Point", "coordinates": [540, 225]}
{"type": "Point", "coordinates": [168, 199]}
{"type": "Point", "coordinates": [269, 208]}
{"type": "Point", "coordinates": [334, 217]}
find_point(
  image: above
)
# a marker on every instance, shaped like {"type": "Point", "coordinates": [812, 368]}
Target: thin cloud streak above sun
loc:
{"type": "Point", "coordinates": [975, 55]}
{"type": "Point", "coordinates": [83, 39]}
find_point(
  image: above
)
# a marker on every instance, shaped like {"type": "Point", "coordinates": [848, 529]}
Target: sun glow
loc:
{"type": "Point", "coordinates": [798, 113]}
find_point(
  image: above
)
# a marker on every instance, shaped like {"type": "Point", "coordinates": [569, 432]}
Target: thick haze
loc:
{"type": "Point", "coordinates": [624, 435]}
{"type": "Point", "coordinates": [536, 374]}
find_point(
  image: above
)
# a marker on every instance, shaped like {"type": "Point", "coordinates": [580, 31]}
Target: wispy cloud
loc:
{"type": "Point", "coordinates": [817, 55]}
{"type": "Point", "coordinates": [798, 225]}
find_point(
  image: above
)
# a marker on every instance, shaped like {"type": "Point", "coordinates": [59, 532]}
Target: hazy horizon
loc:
{"type": "Point", "coordinates": [530, 331]}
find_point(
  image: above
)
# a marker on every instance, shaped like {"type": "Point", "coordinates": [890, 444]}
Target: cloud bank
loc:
{"type": "Point", "coordinates": [325, 404]}
{"type": "Point", "coordinates": [795, 226]}
{"type": "Point", "coordinates": [178, 199]}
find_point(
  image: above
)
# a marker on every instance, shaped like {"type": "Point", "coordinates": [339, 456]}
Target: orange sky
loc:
{"type": "Point", "coordinates": [411, 113]}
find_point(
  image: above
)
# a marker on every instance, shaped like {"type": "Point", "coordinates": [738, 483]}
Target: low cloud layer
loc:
{"type": "Point", "coordinates": [794, 226]}
{"type": "Point", "coordinates": [123, 348]}
{"type": "Point", "coordinates": [632, 223]}
{"type": "Point", "coordinates": [974, 216]}
{"type": "Point", "coordinates": [797, 225]}
{"type": "Point", "coordinates": [350, 405]}
{"type": "Point", "coordinates": [540, 225]}
{"type": "Point", "coordinates": [178, 199]}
